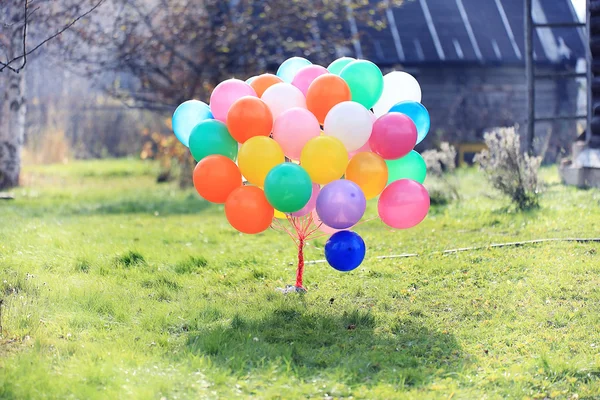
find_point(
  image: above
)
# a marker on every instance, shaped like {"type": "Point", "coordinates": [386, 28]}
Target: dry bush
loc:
{"type": "Point", "coordinates": [52, 147]}
{"type": "Point", "coordinates": [509, 169]}
{"type": "Point", "coordinates": [441, 163]}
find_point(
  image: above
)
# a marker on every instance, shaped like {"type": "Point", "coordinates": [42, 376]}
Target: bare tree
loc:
{"type": "Point", "coordinates": [19, 23]}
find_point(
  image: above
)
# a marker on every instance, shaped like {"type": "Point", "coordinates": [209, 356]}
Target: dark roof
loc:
{"type": "Point", "coordinates": [472, 31]}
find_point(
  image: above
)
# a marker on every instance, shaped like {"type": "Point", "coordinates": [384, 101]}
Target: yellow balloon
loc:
{"type": "Point", "coordinates": [257, 156]}
{"type": "Point", "coordinates": [324, 158]}
{"type": "Point", "coordinates": [369, 171]}
{"type": "Point", "coordinates": [280, 215]}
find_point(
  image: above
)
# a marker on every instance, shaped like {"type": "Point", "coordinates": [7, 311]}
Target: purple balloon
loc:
{"type": "Point", "coordinates": [341, 204]}
{"type": "Point", "coordinates": [312, 203]}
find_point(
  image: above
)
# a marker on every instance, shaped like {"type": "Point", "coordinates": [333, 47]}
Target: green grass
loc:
{"type": "Point", "coordinates": [116, 287]}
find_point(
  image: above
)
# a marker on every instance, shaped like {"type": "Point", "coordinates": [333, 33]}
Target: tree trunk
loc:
{"type": "Point", "coordinates": [12, 130]}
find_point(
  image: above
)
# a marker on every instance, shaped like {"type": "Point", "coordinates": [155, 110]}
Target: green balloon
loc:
{"type": "Point", "coordinates": [288, 187]}
{"type": "Point", "coordinates": [365, 81]}
{"type": "Point", "coordinates": [212, 137]}
{"type": "Point", "coordinates": [411, 166]}
{"type": "Point", "coordinates": [338, 65]}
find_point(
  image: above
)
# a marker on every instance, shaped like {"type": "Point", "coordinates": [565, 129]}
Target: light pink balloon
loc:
{"type": "Point", "coordinates": [323, 228]}
{"type": "Point", "coordinates": [394, 136]}
{"type": "Point", "coordinates": [225, 94]}
{"type": "Point", "coordinates": [312, 203]}
{"type": "Point", "coordinates": [403, 204]}
{"type": "Point", "coordinates": [293, 128]}
{"type": "Point", "coordinates": [281, 97]}
{"type": "Point", "coordinates": [307, 75]}
{"type": "Point", "coordinates": [365, 148]}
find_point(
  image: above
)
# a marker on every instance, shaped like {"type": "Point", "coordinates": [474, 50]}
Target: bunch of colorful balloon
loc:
{"type": "Point", "coordinates": [302, 152]}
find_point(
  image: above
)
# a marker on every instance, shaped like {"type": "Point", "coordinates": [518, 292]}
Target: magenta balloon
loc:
{"type": "Point", "coordinates": [341, 204]}
{"type": "Point", "coordinates": [403, 204]}
{"type": "Point", "coordinates": [225, 94]}
{"type": "Point", "coordinates": [293, 128]}
{"type": "Point", "coordinates": [322, 227]}
{"type": "Point", "coordinates": [307, 75]}
{"type": "Point", "coordinates": [312, 203]}
{"type": "Point", "coordinates": [394, 136]}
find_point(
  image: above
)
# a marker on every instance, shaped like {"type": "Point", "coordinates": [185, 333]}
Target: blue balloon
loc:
{"type": "Point", "coordinates": [290, 67]}
{"type": "Point", "coordinates": [418, 113]}
{"type": "Point", "coordinates": [189, 114]}
{"type": "Point", "coordinates": [345, 250]}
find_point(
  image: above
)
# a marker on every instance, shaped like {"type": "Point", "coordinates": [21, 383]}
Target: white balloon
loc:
{"type": "Point", "coordinates": [350, 122]}
{"type": "Point", "coordinates": [281, 97]}
{"type": "Point", "coordinates": [397, 86]}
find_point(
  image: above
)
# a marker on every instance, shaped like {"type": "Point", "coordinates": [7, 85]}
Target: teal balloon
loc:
{"type": "Point", "coordinates": [212, 137]}
{"type": "Point", "coordinates": [290, 67]}
{"type": "Point", "coordinates": [249, 80]}
{"type": "Point", "coordinates": [411, 166]}
{"type": "Point", "coordinates": [419, 115]}
{"type": "Point", "coordinates": [189, 114]}
{"type": "Point", "coordinates": [338, 65]}
{"type": "Point", "coordinates": [365, 81]}
{"type": "Point", "coordinates": [288, 187]}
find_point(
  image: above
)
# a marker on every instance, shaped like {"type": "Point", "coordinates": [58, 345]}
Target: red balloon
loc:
{"type": "Point", "coordinates": [248, 210]}
{"type": "Point", "coordinates": [394, 135]}
{"type": "Point", "coordinates": [215, 177]}
{"type": "Point", "coordinates": [403, 204]}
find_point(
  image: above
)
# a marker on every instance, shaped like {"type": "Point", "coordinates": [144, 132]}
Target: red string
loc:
{"type": "Point", "coordinates": [300, 270]}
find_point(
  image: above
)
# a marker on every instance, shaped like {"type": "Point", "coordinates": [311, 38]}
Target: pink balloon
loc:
{"type": "Point", "coordinates": [323, 228]}
{"type": "Point", "coordinates": [403, 204]}
{"type": "Point", "coordinates": [365, 148]}
{"type": "Point", "coordinates": [225, 94]}
{"type": "Point", "coordinates": [312, 203]}
{"type": "Point", "coordinates": [293, 128]}
{"type": "Point", "coordinates": [307, 75]}
{"type": "Point", "coordinates": [394, 136]}
{"type": "Point", "coordinates": [281, 97]}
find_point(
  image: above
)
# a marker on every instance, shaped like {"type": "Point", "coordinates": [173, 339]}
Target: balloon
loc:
{"type": "Point", "coordinates": [419, 115]}
{"type": "Point", "coordinates": [338, 65]}
{"type": "Point", "coordinates": [225, 94]}
{"type": "Point", "coordinates": [290, 67]}
{"type": "Point", "coordinates": [341, 204]}
{"type": "Point", "coordinates": [212, 137]}
{"type": "Point", "coordinates": [365, 148]}
{"type": "Point", "coordinates": [257, 157]}
{"type": "Point", "coordinates": [248, 210]}
{"type": "Point", "coordinates": [288, 187]}
{"type": "Point", "coordinates": [397, 86]}
{"type": "Point", "coordinates": [312, 203]}
{"type": "Point", "coordinates": [325, 92]}
{"type": "Point", "coordinates": [307, 75]}
{"type": "Point", "coordinates": [293, 129]}
{"type": "Point", "coordinates": [411, 166]}
{"type": "Point", "coordinates": [215, 177]}
{"type": "Point", "coordinates": [279, 215]}
{"type": "Point", "coordinates": [263, 82]}
{"type": "Point", "coordinates": [325, 159]}
{"type": "Point", "coordinates": [369, 172]}
{"type": "Point", "coordinates": [283, 96]}
{"type": "Point", "coordinates": [250, 80]}
{"type": "Point", "coordinates": [248, 117]}
{"type": "Point", "coordinates": [189, 114]}
{"type": "Point", "coordinates": [394, 135]}
{"type": "Point", "coordinates": [365, 81]}
{"type": "Point", "coordinates": [345, 250]}
{"type": "Point", "coordinates": [403, 204]}
{"type": "Point", "coordinates": [322, 227]}
{"type": "Point", "coordinates": [351, 123]}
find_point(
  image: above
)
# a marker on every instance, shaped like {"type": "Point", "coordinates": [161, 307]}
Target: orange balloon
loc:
{"type": "Point", "coordinates": [215, 177]}
{"type": "Point", "coordinates": [325, 92]}
{"type": "Point", "coordinates": [248, 210]}
{"type": "Point", "coordinates": [369, 171]}
{"type": "Point", "coordinates": [248, 117]}
{"type": "Point", "coordinates": [263, 82]}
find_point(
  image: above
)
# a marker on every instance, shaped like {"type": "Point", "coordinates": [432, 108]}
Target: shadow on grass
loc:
{"type": "Point", "coordinates": [351, 347]}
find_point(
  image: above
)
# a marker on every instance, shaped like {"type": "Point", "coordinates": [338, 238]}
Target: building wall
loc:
{"type": "Point", "coordinates": [464, 102]}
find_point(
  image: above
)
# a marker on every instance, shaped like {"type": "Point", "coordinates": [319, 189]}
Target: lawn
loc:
{"type": "Point", "coordinates": [116, 287]}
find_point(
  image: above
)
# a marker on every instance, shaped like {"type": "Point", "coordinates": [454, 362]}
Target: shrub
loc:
{"type": "Point", "coordinates": [508, 169]}
{"type": "Point", "coordinates": [440, 164]}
